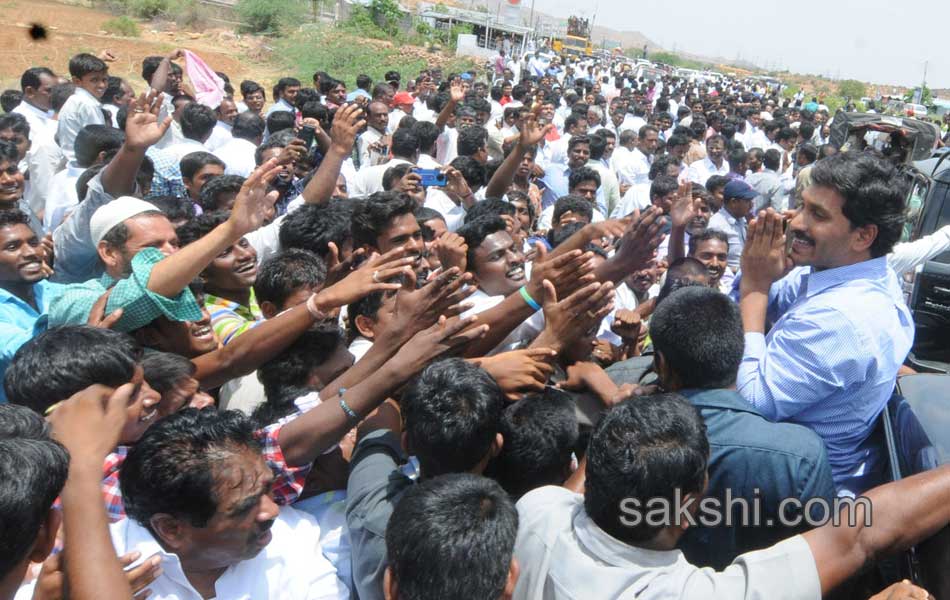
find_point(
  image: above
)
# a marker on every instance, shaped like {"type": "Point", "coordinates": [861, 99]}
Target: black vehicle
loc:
{"type": "Point", "coordinates": [929, 299]}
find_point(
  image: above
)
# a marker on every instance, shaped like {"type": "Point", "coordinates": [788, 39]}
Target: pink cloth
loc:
{"type": "Point", "coordinates": [209, 88]}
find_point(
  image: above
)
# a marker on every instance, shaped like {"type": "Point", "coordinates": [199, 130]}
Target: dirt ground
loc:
{"type": "Point", "coordinates": [72, 29]}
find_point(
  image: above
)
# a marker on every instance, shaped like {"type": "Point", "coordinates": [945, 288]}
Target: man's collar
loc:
{"type": "Point", "coordinates": [718, 398]}
{"type": "Point", "coordinates": [620, 554]}
{"type": "Point", "coordinates": [819, 281]}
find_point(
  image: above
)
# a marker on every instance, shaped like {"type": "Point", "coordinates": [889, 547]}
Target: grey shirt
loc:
{"type": "Point", "coordinates": [735, 229]}
{"type": "Point", "coordinates": [372, 491]}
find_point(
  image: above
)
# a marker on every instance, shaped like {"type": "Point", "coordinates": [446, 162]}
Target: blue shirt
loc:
{"type": "Point", "coordinates": [556, 181]}
{"type": "Point", "coordinates": [748, 453]}
{"type": "Point", "coordinates": [831, 359]}
{"type": "Point", "coordinates": [20, 322]}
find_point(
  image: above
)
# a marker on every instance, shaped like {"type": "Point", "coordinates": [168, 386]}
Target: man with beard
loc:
{"type": "Point", "coordinates": [25, 295]}
{"type": "Point", "coordinates": [198, 493]}
{"type": "Point", "coordinates": [841, 328]}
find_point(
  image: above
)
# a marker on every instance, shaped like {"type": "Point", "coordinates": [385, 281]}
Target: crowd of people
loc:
{"type": "Point", "coordinates": [434, 336]}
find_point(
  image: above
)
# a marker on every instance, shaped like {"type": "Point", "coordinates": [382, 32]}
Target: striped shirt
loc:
{"type": "Point", "coordinates": [230, 319]}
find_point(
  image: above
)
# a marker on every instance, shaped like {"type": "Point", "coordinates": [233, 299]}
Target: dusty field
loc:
{"type": "Point", "coordinates": [74, 29]}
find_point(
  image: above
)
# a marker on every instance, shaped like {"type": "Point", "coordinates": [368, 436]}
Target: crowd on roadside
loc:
{"type": "Point", "coordinates": [434, 336]}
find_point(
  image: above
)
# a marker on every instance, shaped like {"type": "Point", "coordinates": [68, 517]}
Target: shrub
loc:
{"type": "Point", "coordinates": [147, 9]}
{"type": "Point", "coordinates": [123, 26]}
{"type": "Point", "coordinates": [268, 16]}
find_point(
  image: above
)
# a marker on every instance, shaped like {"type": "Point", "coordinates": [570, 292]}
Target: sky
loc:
{"type": "Point", "coordinates": [877, 41]}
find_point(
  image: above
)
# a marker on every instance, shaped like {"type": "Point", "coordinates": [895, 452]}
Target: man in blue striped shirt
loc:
{"type": "Point", "coordinates": [841, 329]}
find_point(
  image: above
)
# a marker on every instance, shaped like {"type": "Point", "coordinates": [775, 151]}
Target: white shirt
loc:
{"type": "Point", "coordinates": [359, 347]}
{"type": "Point", "coordinates": [62, 196]}
{"type": "Point", "coordinates": [363, 142]}
{"type": "Point", "coordinates": [446, 146]}
{"type": "Point", "coordinates": [564, 555]}
{"type": "Point", "coordinates": [547, 216]}
{"type": "Point", "coordinates": [41, 121]}
{"type": "Point", "coordinates": [291, 566]}
{"type": "Point", "coordinates": [909, 255]}
{"type": "Point", "coordinates": [522, 335]}
{"type": "Point", "coordinates": [454, 214]}
{"type": "Point", "coordinates": [220, 135]}
{"type": "Point", "coordinates": [186, 147]}
{"type": "Point", "coordinates": [636, 198]}
{"type": "Point", "coordinates": [632, 167]}
{"type": "Point", "coordinates": [81, 109]}
{"type": "Point", "coordinates": [701, 170]}
{"type": "Point", "coordinates": [370, 179]}
{"type": "Point", "coordinates": [237, 156]}
{"type": "Point", "coordinates": [427, 162]}
{"type": "Point", "coordinates": [44, 159]}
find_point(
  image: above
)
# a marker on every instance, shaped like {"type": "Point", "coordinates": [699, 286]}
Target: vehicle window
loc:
{"type": "Point", "coordinates": [915, 203]}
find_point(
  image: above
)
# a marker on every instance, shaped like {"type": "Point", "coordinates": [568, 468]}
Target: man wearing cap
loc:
{"type": "Point", "coordinates": [146, 275]}
{"type": "Point", "coordinates": [403, 105]}
{"type": "Point", "coordinates": [732, 218]}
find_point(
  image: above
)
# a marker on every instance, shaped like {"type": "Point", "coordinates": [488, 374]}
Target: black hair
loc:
{"type": "Point", "coordinates": [598, 145]}
{"type": "Point", "coordinates": [661, 165]}
{"type": "Point", "coordinates": [645, 448]}
{"type": "Point", "coordinates": [13, 216]}
{"type": "Point", "coordinates": [426, 134]}
{"type": "Point", "coordinates": [476, 230]}
{"type": "Point", "coordinates": [82, 64]}
{"type": "Point", "coordinates": [808, 151]}
{"type": "Point", "coordinates": [737, 156]}
{"type": "Point", "coordinates": [493, 207]}
{"type": "Point", "coordinates": [872, 192]}
{"type": "Point", "coordinates": [581, 175]}
{"type": "Point", "coordinates": [473, 172]}
{"type": "Point", "coordinates": [149, 66]}
{"type": "Point", "coordinates": [33, 470]}
{"type": "Point", "coordinates": [278, 140]}
{"type": "Point", "coordinates": [10, 99]}
{"type": "Point", "coordinates": [772, 159]}
{"type": "Point", "coordinates": [374, 214]}
{"type": "Point", "coordinates": [31, 77]}
{"type": "Point", "coordinates": [113, 89]}
{"type": "Point", "coordinates": [558, 235]}
{"type": "Point", "coordinates": [452, 412]}
{"type": "Point", "coordinates": [471, 140]}
{"type": "Point", "coordinates": [248, 87]}
{"type": "Point", "coordinates": [59, 362]}
{"type": "Point", "coordinates": [195, 161]}
{"type": "Point", "coordinates": [171, 469]}
{"type": "Point", "coordinates": [577, 140]}
{"type": "Point", "coordinates": [716, 182]}
{"type": "Point", "coordinates": [313, 226]}
{"type": "Point", "coordinates": [404, 143]}
{"type": "Point", "coordinates": [363, 81]}
{"type": "Point", "coordinates": [164, 370]}
{"type": "Point", "coordinates": [197, 121]}
{"type": "Point", "coordinates": [282, 84]}
{"type": "Point", "coordinates": [215, 187]}
{"type": "Point", "coordinates": [91, 140]}
{"type": "Point", "coordinates": [452, 537]}
{"type": "Point", "coordinates": [699, 333]}
{"type": "Point", "coordinates": [709, 234]}
{"type": "Point", "coordinates": [290, 371]}
{"type": "Point", "coordinates": [306, 95]}
{"type": "Point", "coordinates": [200, 226]}
{"type": "Point", "coordinates": [248, 126]}
{"type": "Point", "coordinates": [59, 94]}
{"type": "Point", "coordinates": [574, 204]}
{"type": "Point", "coordinates": [16, 123]}
{"type": "Point", "coordinates": [173, 207]}
{"type": "Point", "coordinates": [280, 120]}
{"type": "Point", "coordinates": [394, 174]}
{"type": "Point", "coordinates": [540, 432]}
{"type": "Point", "coordinates": [286, 272]}
{"type": "Point", "coordinates": [663, 185]}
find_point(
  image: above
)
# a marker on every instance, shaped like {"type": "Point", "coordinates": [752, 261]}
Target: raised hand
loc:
{"type": "Point", "coordinates": [532, 132]}
{"type": "Point", "coordinates": [97, 315]}
{"type": "Point", "coordinates": [142, 128]}
{"type": "Point", "coordinates": [347, 124]}
{"type": "Point", "coordinates": [416, 309]}
{"type": "Point", "coordinates": [456, 186]}
{"type": "Point", "coordinates": [573, 317]}
{"type": "Point", "coordinates": [107, 56]}
{"type": "Point", "coordinates": [685, 207]}
{"type": "Point", "coordinates": [293, 152]}
{"type": "Point", "coordinates": [254, 204]}
{"type": "Point", "coordinates": [566, 272]}
{"type": "Point", "coordinates": [451, 250]}
{"type": "Point", "coordinates": [445, 337]}
{"type": "Point", "coordinates": [374, 275]}
{"type": "Point", "coordinates": [640, 241]}
{"type": "Point", "coordinates": [627, 324]}
{"type": "Point", "coordinates": [142, 575]}
{"type": "Point", "coordinates": [456, 91]}
{"type": "Point", "coordinates": [90, 422]}
{"type": "Point", "coordinates": [520, 371]}
{"type": "Point", "coordinates": [764, 259]}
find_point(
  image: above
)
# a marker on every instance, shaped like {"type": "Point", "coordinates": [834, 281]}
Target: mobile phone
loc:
{"type": "Point", "coordinates": [307, 132]}
{"type": "Point", "coordinates": [431, 177]}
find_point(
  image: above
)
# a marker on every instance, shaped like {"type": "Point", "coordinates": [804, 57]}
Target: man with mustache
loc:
{"type": "Point", "coordinates": [841, 329]}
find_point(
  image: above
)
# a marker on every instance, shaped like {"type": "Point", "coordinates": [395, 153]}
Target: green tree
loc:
{"type": "Point", "coordinates": [926, 98]}
{"type": "Point", "coordinates": [853, 88]}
